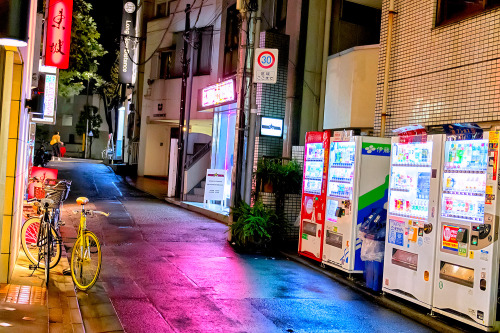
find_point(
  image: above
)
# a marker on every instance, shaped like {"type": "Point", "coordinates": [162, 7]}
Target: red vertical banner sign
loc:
{"type": "Point", "coordinates": [58, 33]}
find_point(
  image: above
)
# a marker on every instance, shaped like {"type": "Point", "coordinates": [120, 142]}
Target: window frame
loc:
{"type": "Point", "coordinates": [440, 21]}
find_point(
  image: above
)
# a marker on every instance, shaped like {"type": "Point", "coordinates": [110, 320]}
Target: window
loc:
{"type": "Point", "coordinates": [281, 7]}
{"type": "Point", "coordinates": [203, 55]}
{"type": "Point", "coordinates": [171, 7]}
{"type": "Point", "coordinates": [450, 11]}
{"type": "Point", "coordinates": [167, 61]}
{"type": "Point", "coordinates": [170, 66]}
{"type": "Point", "coordinates": [231, 42]}
{"type": "Point", "coordinates": [161, 9]}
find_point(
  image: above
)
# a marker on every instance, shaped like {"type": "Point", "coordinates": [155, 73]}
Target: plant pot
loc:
{"type": "Point", "coordinates": [267, 187]}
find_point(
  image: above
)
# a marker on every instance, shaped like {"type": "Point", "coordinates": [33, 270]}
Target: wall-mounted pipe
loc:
{"type": "Point", "coordinates": [390, 21]}
{"type": "Point", "coordinates": [326, 48]}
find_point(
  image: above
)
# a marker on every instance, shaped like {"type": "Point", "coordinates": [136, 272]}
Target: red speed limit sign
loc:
{"type": "Point", "coordinates": [265, 66]}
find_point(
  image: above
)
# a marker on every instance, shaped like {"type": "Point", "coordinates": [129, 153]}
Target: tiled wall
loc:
{"type": "Point", "coordinates": [442, 74]}
{"type": "Point", "coordinates": [271, 98]}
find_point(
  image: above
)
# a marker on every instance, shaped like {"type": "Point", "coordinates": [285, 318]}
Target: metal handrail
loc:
{"type": "Point", "coordinates": [199, 154]}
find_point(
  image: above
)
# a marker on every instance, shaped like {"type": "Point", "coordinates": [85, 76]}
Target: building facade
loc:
{"type": "Point", "coordinates": [16, 65]}
{"type": "Point", "coordinates": [443, 66]}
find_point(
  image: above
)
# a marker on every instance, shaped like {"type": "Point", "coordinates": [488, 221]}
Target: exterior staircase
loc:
{"type": "Point", "coordinates": [196, 194]}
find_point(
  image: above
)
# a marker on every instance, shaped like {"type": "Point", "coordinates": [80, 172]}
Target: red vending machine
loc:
{"type": "Point", "coordinates": [312, 217]}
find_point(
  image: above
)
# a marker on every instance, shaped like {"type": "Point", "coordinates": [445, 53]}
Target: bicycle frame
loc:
{"type": "Point", "coordinates": [82, 227]}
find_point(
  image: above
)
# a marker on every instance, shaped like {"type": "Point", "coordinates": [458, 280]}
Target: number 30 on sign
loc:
{"type": "Point", "coordinates": [265, 66]}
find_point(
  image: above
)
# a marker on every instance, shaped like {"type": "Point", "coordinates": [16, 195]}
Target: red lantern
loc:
{"type": "Point", "coordinates": [58, 33]}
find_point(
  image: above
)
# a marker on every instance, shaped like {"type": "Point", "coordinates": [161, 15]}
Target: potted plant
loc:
{"type": "Point", "coordinates": [253, 227]}
{"type": "Point", "coordinates": [264, 175]}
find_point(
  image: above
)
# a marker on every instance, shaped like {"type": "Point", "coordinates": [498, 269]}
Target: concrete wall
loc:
{"type": "Point", "coordinates": [312, 68]}
{"type": "Point", "coordinates": [441, 74]}
{"type": "Point", "coordinates": [70, 108]}
{"type": "Point", "coordinates": [351, 84]}
{"type": "Point", "coordinates": [167, 92]}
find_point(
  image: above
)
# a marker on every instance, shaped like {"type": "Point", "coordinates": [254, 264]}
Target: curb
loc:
{"type": "Point", "coordinates": [422, 318]}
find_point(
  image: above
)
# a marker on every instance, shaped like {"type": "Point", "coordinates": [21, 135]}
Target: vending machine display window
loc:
{"type": "Point", "coordinates": [341, 169]}
{"type": "Point", "coordinates": [410, 180]}
{"type": "Point", "coordinates": [464, 180]}
{"type": "Point", "coordinates": [313, 171]}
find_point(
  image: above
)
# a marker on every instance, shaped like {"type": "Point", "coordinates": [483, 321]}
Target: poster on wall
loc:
{"type": "Point", "coordinates": [214, 186]}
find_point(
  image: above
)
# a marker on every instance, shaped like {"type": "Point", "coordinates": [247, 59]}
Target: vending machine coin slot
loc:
{"type": "Point", "coordinates": [457, 274]}
{"type": "Point", "coordinates": [462, 235]}
{"type": "Point", "coordinates": [482, 284]}
{"type": "Point", "coordinates": [484, 231]}
{"type": "Point", "coordinates": [339, 212]}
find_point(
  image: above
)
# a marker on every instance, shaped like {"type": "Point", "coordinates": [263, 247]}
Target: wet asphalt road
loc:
{"type": "Point", "coordinates": [166, 269]}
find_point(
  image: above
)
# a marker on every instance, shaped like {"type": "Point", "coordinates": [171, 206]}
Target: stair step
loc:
{"type": "Point", "coordinates": [199, 191]}
{"type": "Point", "coordinates": [203, 182]}
{"type": "Point", "coordinates": [194, 198]}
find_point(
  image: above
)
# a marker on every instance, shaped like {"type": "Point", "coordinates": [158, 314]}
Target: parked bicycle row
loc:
{"type": "Point", "coordinates": [41, 238]}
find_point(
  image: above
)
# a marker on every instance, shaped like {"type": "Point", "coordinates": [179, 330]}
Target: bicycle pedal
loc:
{"type": "Point", "coordinates": [67, 271]}
{"type": "Point", "coordinates": [32, 267]}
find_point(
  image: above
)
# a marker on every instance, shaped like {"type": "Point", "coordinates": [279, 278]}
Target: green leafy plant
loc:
{"type": "Point", "coordinates": [285, 177]}
{"type": "Point", "coordinates": [252, 226]}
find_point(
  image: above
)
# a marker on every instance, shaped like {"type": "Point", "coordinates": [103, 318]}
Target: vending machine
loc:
{"type": "Point", "coordinates": [312, 215]}
{"type": "Point", "coordinates": [358, 179]}
{"type": "Point", "coordinates": [467, 260]}
{"type": "Point", "coordinates": [411, 229]}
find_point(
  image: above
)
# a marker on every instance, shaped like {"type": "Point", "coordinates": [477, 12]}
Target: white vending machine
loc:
{"type": "Point", "coordinates": [467, 261]}
{"type": "Point", "coordinates": [358, 178]}
{"type": "Point", "coordinates": [411, 229]}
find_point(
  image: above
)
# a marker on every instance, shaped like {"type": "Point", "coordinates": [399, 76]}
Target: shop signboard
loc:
{"type": "Point", "coordinates": [265, 66]}
{"type": "Point", "coordinates": [218, 94]}
{"type": "Point", "coordinates": [57, 44]}
{"type": "Point", "coordinates": [127, 42]}
{"type": "Point", "coordinates": [44, 97]}
{"type": "Point", "coordinates": [214, 186]}
{"type": "Point", "coordinates": [271, 127]}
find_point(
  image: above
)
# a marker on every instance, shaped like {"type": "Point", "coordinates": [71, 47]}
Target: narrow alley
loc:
{"type": "Point", "coordinates": [166, 269]}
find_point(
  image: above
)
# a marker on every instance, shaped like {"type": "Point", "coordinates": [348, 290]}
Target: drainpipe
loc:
{"type": "Point", "coordinates": [390, 21]}
{"type": "Point", "coordinates": [326, 46]}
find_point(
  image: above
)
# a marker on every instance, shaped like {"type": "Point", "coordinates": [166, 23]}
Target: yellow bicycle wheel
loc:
{"type": "Point", "coordinates": [86, 260]}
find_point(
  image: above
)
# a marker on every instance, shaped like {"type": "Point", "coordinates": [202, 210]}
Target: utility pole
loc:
{"type": "Point", "coordinates": [239, 143]}
{"type": "Point", "coordinates": [192, 42]}
{"type": "Point", "coordinates": [254, 43]}
{"type": "Point", "coordinates": [180, 142]}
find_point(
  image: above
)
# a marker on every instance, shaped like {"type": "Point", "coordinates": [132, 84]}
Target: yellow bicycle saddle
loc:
{"type": "Point", "coordinates": [82, 201]}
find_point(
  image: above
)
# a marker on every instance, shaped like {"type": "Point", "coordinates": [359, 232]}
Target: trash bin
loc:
{"type": "Point", "coordinates": [372, 234]}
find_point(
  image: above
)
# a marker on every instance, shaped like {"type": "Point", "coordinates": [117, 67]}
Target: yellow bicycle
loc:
{"type": "Point", "coordinates": [86, 256]}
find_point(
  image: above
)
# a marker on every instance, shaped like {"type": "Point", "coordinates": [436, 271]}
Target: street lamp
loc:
{"type": "Point", "coordinates": [14, 22]}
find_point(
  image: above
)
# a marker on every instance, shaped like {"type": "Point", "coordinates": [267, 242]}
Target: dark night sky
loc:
{"type": "Point", "coordinates": [108, 15]}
